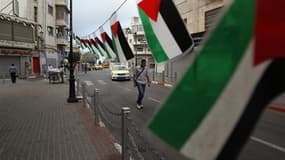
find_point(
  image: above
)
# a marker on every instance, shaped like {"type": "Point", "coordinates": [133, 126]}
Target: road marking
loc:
{"type": "Point", "coordinates": [125, 88]}
{"type": "Point", "coordinates": [102, 82]}
{"type": "Point", "coordinates": [155, 100]}
{"type": "Point", "coordinates": [89, 83]}
{"type": "Point", "coordinates": [268, 144]}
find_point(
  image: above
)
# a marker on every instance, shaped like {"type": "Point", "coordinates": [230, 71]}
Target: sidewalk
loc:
{"type": "Point", "coordinates": [36, 123]}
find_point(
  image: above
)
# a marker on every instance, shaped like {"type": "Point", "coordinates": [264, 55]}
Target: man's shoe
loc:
{"type": "Point", "coordinates": [139, 106]}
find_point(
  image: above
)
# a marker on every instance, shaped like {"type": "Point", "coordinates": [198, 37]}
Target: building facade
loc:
{"type": "Point", "coordinates": [47, 39]}
{"type": "Point", "coordinates": [17, 37]}
{"type": "Point", "coordinates": [137, 40]}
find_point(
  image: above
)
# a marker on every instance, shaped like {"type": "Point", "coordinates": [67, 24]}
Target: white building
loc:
{"type": "Point", "coordinates": [136, 39]}
{"type": "Point", "coordinates": [49, 36]}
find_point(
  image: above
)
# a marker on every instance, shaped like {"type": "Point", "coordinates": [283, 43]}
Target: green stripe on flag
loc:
{"type": "Point", "coordinates": [115, 49]}
{"type": "Point", "coordinates": [157, 51]}
{"type": "Point", "coordinates": [206, 78]}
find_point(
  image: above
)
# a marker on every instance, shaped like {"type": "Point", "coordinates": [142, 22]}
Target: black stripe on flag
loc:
{"type": "Point", "coordinates": [101, 44]}
{"type": "Point", "coordinates": [175, 24]}
{"type": "Point", "coordinates": [124, 44]}
{"type": "Point", "coordinates": [110, 42]}
{"type": "Point", "coordinates": [94, 43]}
{"type": "Point", "coordinates": [271, 85]}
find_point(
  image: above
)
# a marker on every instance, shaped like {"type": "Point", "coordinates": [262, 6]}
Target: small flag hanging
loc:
{"type": "Point", "coordinates": [123, 49]}
{"type": "Point", "coordinates": [101, 47]}
{"type": "Point", "coordinates": [165, 31]}
{"type": "Point", "coordinates": [95, 47]}
{"type": "Point", "coordinates": [108, 44]}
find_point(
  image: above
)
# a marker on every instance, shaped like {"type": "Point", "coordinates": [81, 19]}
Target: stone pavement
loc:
{"type": "Point", "coordinates": [36, 123]}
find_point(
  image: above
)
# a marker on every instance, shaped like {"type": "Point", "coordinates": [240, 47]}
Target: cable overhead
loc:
{"type": "Point", "coordinates": [121, 5]}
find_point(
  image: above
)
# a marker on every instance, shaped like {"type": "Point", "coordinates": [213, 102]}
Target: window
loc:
{"type": "Point", "coordinates": [139, 49]}
{"type": "Point", "coordinates": [50, 10]}
{"type": "Point", "coordinates": [36, 14]}
{"type": "Point", "coordinates": [50, 30]}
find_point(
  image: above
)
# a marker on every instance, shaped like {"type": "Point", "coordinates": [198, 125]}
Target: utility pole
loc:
{"type": "Point", "coordinates": [72, 98]}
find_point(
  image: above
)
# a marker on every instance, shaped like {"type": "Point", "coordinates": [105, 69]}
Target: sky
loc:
{"type": "Point", "coordinates": [88, 15]}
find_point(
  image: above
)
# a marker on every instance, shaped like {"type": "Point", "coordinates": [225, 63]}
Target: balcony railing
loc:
{"type": "Point", "coordinates": [62, 3]}
{"type": "Point", "coordinates": [61, 40]}
{"type": "Point", "coordinates": [61, 22]}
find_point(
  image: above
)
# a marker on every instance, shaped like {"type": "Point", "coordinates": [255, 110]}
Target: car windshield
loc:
{"type": "Point", "coordinates": [119, 68]}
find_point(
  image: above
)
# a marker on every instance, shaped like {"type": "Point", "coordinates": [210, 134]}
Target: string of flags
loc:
{"type": "Point", "coordinates": [216, 104]}
{"type": "Point", "coordinates": [165, 29]}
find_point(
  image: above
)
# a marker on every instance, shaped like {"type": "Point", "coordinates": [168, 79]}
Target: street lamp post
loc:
{"type": "Point", "coordinates": [135, 48]}
{"type": "Point", "coordinates": [72, 98]}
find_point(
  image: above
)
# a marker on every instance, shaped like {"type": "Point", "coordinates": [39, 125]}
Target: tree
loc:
{"type": "Point", "coordinates": [76, 56]}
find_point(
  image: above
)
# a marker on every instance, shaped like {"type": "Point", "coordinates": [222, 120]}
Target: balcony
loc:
{"type": "Point", "coordinates": [61, 22]}
{"type": "Point", "coordinates": [62, 3]}
{"type": "Point", "coordinates": [60, 40]}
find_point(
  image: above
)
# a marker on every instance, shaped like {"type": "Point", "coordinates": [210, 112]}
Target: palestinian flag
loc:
{"type": "Point", "coordinates": [121, 44]}
{"type": "Point", "coordinates": [108, 44]}
{"type": "Point", "coordinates": [83, 41]}
{"type": "Point", "coordinates": [77, 41]}
{"type": "Point", "coordinates": [213, 109]}
{"type": "Point", "coordinates": [101, 47]}
{"type": "Point", "coordinates": [91, 49]}
{"type": "Point", "coordinates": [95, 47]}
{"type": "Point", "coordinates": [163, 26]}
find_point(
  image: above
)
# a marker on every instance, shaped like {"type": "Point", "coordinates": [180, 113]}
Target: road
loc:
{"type": "Point", "coordinates": [266, 142]}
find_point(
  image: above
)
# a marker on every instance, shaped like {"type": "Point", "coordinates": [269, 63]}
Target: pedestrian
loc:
{"type": "Point", "coordinates": [85, 68]}
{"type": "Point", "coordinates": [61, 73]}
{"type": "Point", "coordinates": [13, 73]}
{"type": "Point", "coordinates": [141, 79]}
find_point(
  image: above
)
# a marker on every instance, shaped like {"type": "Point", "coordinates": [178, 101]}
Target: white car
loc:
{"type": "Point", "coordinates": [120, 72]}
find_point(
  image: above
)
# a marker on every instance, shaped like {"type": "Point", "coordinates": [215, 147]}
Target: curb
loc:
{"type": "Point", "coordinates": [277, 107]}
{"type": "Point", "coordinates": [162, 83]}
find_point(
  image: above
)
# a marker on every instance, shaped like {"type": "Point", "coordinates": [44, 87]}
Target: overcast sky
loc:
{"type": "Point", "coordinates": [88, 15]}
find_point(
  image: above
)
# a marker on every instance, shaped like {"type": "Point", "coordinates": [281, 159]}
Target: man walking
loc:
{"type": "Point", "coordinates": [13, 73]}
{"type": "Point", "coordinates": [140, 80]}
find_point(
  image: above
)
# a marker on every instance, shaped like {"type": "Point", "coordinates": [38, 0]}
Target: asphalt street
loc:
{"type": "Point", "coordinates": [266, 142]}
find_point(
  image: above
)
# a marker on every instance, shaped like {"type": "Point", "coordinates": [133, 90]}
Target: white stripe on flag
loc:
{"type": "Point", "coordinates": [210, 136]}
{"type": "Point", "coordinates": [113, 55]}
{"type": "Point", "coordinates": [121, 54]}
{"type": "Point", "coordinates": [165, 37]}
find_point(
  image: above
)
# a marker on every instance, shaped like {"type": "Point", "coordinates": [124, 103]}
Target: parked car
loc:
{"type": "Point", "coordinates": [105, 65]}
{"type": "Point", "coordinates": [97, 67]}
{"type": "Point", "coordinates": [120, 72]}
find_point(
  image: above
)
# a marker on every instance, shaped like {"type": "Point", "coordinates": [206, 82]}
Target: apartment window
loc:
{"type": "Point", "coordinates": [50, 30]}
{"type": "Point", "coordinates": [211, 17]}
{"type": "Point", "coordinates": [50, 10]}
{"type": "Point", "coordinates": [139, 49]}
{"type": "Point", "coordinates": [36, 14]}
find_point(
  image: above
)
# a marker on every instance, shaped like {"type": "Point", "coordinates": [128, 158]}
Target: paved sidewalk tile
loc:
{"type": "Point", "coordinates": [36, 123]}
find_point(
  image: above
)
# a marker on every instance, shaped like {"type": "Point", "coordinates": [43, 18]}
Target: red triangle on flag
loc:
{"type": "Point", "coordinates": [104, 36]}
{"type": "Point", "coordinates": [115, 28]}
{"type": "Point", "coordinates": [269, 31]}
{"type": "Point", "coordinates": [151, 8]}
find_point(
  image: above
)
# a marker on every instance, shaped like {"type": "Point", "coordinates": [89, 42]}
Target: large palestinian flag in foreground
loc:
{"type": "Point", "coordinates": [108, 44]}
{"type": "Point", "coordinates": [122, 47]}
{"type": "Point", "coordinates": [213, 109]}
{"type": "Point", "coordinates": [165, 31]}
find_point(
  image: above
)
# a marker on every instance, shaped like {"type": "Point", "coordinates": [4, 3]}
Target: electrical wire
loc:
{"type": "Point", "coordinates": [121, 5]}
